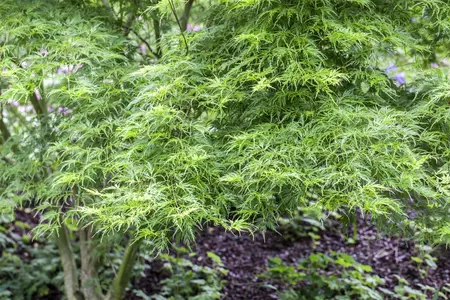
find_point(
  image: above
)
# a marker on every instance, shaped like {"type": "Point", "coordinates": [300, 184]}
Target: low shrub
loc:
{"type": "Point", "coordinates": [188, 280]}
{"type": "Point", "coordinates": [339, 276]}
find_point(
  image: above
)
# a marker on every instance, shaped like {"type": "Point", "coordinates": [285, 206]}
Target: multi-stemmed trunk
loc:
{"type": "Point", "coordinates": [83, 283]}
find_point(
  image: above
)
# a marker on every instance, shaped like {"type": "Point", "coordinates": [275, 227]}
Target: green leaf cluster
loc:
{"type": "Point", "coordinates": [275, 101]}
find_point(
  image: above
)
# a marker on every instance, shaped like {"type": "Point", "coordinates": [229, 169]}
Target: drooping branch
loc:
{"type": "Point", "coordinates": [128, 27]}
{"type": "Point", "coordinates": [131, 17]}
{"type": "Point", "coordinates": [146, 43]}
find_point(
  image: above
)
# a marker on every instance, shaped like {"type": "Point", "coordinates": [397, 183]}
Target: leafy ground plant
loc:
{"type": "Point", "coordinates": [29, 268]}
{"type": "Point", "coordinates": [339, 276]}
{"type": "Point", "coordinates": [425, 260]}
{"type": "Point", "coordinates": [188, 280]}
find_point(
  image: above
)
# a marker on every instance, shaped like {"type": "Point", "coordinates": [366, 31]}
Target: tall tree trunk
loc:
{"type": "Point", "coordinates": [122, 279]}
{"type": "Point", "coordinates": [68, 262]}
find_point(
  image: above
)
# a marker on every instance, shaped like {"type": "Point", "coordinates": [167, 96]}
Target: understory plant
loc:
{"type": "Point", "coordinates": [118, 119]}
{"type": "Point", "coordinates": [191, 281]}
{"type": "Point", "coordinates": [340, 276]}
{"type": "Point", "coordinates": [29, 269]}
{"type": "Point", "coordinates": [306, 222]}
{"type": "Point", "coordinates": [424, 260]}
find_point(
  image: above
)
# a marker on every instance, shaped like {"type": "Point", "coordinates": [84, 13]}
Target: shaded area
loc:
{"type": "Point", "coordinates": [245, 256]}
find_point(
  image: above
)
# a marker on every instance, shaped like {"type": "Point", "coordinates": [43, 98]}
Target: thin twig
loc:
{"type": "Point", "coordinates": [106, 3]}
{"type": "Point", "coordinates": [172, 7]}
{"type": "Point", "coordinates": [128, 28]}
{"type": "Point", "coordinates": [146, 43]}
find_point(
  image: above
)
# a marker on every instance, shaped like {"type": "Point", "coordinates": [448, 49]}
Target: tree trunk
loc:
{"type": "Point", "coordinates": [89, 277]}
{"type": "Point", "coordinates": [68, 262]}
{"type": "Point", "coordinates": [122, 279]}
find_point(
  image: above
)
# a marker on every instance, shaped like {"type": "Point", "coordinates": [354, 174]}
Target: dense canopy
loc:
{"type": "Point", "coordinates": [271, 105]}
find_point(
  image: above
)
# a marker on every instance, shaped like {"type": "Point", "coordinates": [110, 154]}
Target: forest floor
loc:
{"type": "Point", "coordinates": [246, 256]}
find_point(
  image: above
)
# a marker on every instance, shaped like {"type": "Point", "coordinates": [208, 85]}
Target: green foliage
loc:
{"type": "Point", "coordinates": [404, 291]}
{"type": "Point", "coordinates": [31, 268]}
{"type": "Point", "coordinates": [425, 260]}
{"type": "Point", "coordinates": [257, 116]}
{"type": "Point", "coordinates": [28, 271]}
{"type": "Point", "coordinates": [276, 100]}
{"type": "Point", "coordinates": [339, 276]}
{"type": "Point", "coordinates": [306, 222]}
{"type": "Point", "coordinates": [191, 281]}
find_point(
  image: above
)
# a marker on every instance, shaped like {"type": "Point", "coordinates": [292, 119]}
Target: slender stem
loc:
{"type": "Point", "coordinates": [6, 134]}
{"type": "Point", "coordinates": [174, 11]}
{"type": "Point", "coordinates": [107, 5]}
{"type": "Point", "coordinates": [36, 105]}
{"type": "Point", "coordinates": [128, 24]}
{"type": "Point", "coordinates": [21, 119]}
{"type": "Point", "coordinates": [122, 279]}
{"type": "Point", "coordinates": [89, 277]}
{"type": "Point", "coordinates": [145, 42]}
{"type": "Point", "coordinates": [68, 262]}
{"type": "Point", "coordinates": [157, 29]}
{"type": "Point", "coordinates": [127, 27]}
{"type": "Point", "coordinates": [131, 18]}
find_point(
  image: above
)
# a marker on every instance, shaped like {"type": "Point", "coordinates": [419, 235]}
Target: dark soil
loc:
{"type": "Point", "coordinates": [246, 256]}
